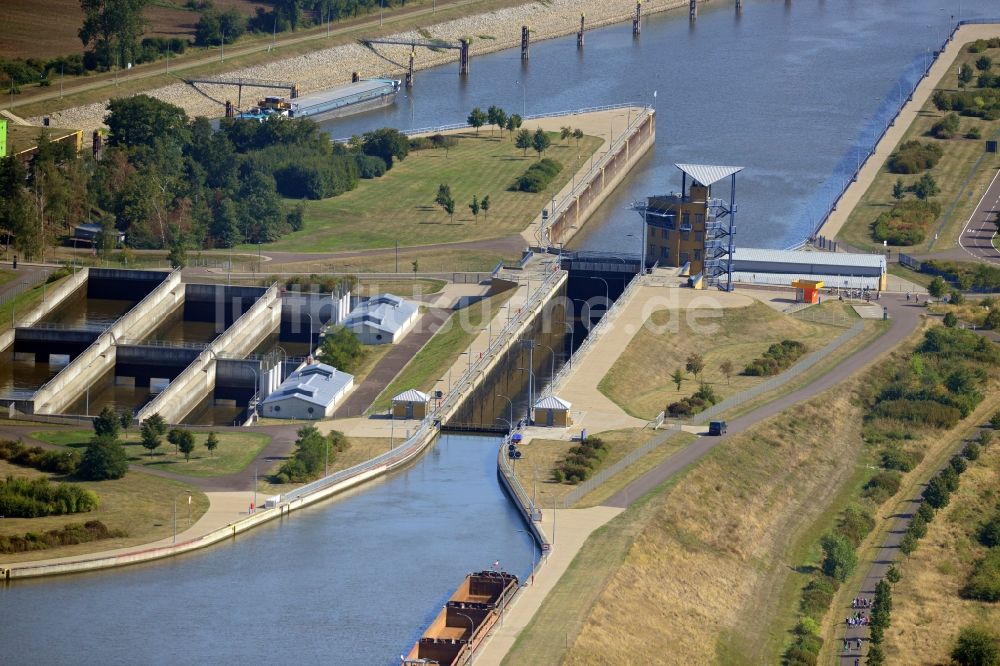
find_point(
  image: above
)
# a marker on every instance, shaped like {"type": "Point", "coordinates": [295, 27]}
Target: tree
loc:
{"type": "Point", "coordinates": [341, 349]}
{"type": "Point", "coordinates": [540, 141]}
{"type": "Point", "coordinates": [839, 557]}
{"type": "Point", "coordinates": [112, 29]}
{"type": "Point", "coordinates": [936, 493]}
{"type": "Point", "coordinates": [443, 194]}
{"type": "Point", "coordinates": [925, 187]}
{"type": "Point", "coordinates": [938, 287]}
{"type": "Point", "coordinates": [185, 443]}
{"type": "Point", "coordinates": [106, 424]}
{"type": "Point", "coordinates": [893, 575]}
{"type": "Point", "coordinates": [142, 120]}
{"type": "Point", "coordinates": [727, 369]}
{"type": "Point", "coordinates": [177, 256]}
{"type": "Point", "coordinates": [950, 320]}
{"type": "Point", "coordinates": [565, 132]}
{"type": "Point", "coordinates": [493, 117]}
{"type": "Point", "coordinates": [578, 134]}
{"type": "Point", "coordinates": [876, 657]}
{"type": "Point", "coordinates": [485, 205]}
{"type": "Point", "coordinates": [965, 74]}
{"type": "Point", "coordinates": [104, 459]}
{"type": "Point", "coordinates": [513, 123]}
{"type": "Point", "coordinates": [449, 207]}
{"type": "Point", "coordinates": [695, 364]}
{"type": "Point", "coordinates": [477, 119]}
{"type": "Point", "coordinates": [150, 437]}
{"type": "Point", "coordinates": [993, 318]}
{"type": "Point", "coordinates": [995, 420]}
{"type": "Point", "coordinates": [983, 63]}
{"type": "Point", "coordinates": [976, 646]}
{"type": "Point", "coordinates": [678, 377]}
{"type": "Point", "coordinates": [125, 419]}
{"type": "Point", "coordinates": [387, 143]}
{"type": "Point", "coordinates": [523, 141]}
{"type": "Point", "coordinates": [157, 423]}
{"type": "Point", "coordinates": [502, 120]}
{"type": "Point", "coordinates": [415, 264]}
{"type": "Point", "coordinates": [898, 190]}
{"type": "Point", "coordinates": [474, 207]}
{"type": "Point", "coordinates": [212, 443]}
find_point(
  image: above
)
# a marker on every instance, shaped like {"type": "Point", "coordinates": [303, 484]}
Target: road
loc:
{"type": "Point", "coordinates": [977, 236]}
{"type": "Point", "coordinates": [109, 80]}
{"type": "Point", "coordinates": [905, 319]}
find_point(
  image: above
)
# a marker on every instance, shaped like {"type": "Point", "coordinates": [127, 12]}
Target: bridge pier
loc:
{"type": "Point", "coordinates": [463, 58]}
{"type": "Point", "coordinates": [637, 19]}
{"type": "Point", "coordinates": [41, 357]}
{"type": "Point", "coordinates": [525, 41]}
{"type": "Point", "coordinates": [692, 10]}
{"type": "Point", "coordinates": [579, 35]}
{"type": "Point", "coordinates": [739, 6]}
{"type": "Point", "coordinates": [409, 72]}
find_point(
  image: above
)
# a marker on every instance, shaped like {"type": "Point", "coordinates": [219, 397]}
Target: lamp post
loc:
{"type": "Point", "coordinates": [511, 403]}
{"type": "Point", "coordinates": [310, 332]}
{"type": "Point", "coordinates": [472, 633]}
{"type": "Point", "coordinates": [607, 292]}
{"type": "Point", "coordinates": [552, 370]}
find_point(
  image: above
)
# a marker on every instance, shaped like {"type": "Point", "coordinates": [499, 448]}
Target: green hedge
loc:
{"type": "Point", "coordinates": [906, 223]}
{"type": "Point", "coordinates": [776, 359]}
{"type": "Point", "coordinates": [92, 530]}
{"type": "Point", "coordinates": [24, 498]}
{"type": "Point", "coordinates": [538, 176]}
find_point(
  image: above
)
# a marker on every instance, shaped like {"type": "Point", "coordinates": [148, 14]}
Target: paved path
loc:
{"type": "Point", "coordinates": [392, 364]}
{"type": "Point", "coordinates": [977, 237]}
{"type": "Point", "coordinates": [905, 319]}
{"type": "Point", "coordinates": [27, 275]}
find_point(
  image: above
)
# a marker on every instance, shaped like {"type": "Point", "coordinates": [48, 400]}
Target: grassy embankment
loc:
{"type": "Point", "coordinates": [249, 51]}
{"type": "Point", "coordinates": [359, 450]}
{"type": "Point", "coordinates": [26, 301]}
{"type": "Point", "coordinates": [960, 174]}
{"type": "Point", "coordinates": [141, 504]}
{"type": "Point", "coordinates": [928, 610]}
{"type": "Point", "coordinates": [234, 453]}
{"type": "Point", "coordinates": [698, 569]}
{"type": "Point", "coordinates": [741, 335]}
{"type": "Point", "coordinates": [443, 349]}
{"type": "Point", "coordinates": [399, 206]}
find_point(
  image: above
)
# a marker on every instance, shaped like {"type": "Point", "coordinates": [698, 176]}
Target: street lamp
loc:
{"type": "Point", "coordinates": [511, 403]}
{"type": "Point", "coordinates": [531, 544]}
{"type": "Point", "coordinates": [607, 297]}
{"type": "Point", "coordinates": [472, 632]}
{"type": "Point", "coordinates": [310, 332]}
{"type": "Point", "coordinates": [552, 370]}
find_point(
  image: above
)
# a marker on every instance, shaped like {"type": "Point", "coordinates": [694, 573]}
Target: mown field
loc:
{"type": "Point", "coordinates": [399, 206]}
{"type": "Point", "coordinates": [960, 174]}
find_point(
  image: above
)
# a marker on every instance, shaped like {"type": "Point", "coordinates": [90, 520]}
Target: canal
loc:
{"type": "Point", "coordinates": [791, 91]}
{"type": "Point", "coordinates": [358, 578]}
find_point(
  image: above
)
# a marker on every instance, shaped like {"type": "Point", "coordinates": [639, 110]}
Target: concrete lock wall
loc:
{"type": "Point", "coordinates": [65, 387]}
{"type": "Point", "coordinates": [52, 300]}
{"type": "Point", "coordinates": [198, 380]}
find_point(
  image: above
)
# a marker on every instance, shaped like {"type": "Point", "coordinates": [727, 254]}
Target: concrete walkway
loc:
{"type": "Point", "coordinates": [925, 89]}
{"type": "Point", "coordinates": [570, 529]}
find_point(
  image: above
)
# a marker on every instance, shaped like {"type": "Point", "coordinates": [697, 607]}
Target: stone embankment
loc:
{"type": "Point", "coordinates": [492, 31]}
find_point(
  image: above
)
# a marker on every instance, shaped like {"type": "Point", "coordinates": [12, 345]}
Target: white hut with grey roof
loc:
{"type": "Point", "coordinates": [383, 319]}
{"type": "Point", "coordinates": [311, 392]}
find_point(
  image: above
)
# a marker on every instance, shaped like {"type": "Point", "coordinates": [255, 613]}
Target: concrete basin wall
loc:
{"type": "Point", "coordinates": [53, 298]}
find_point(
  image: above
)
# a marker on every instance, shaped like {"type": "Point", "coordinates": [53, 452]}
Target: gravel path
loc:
{"type": "Point", "coordinates": [493, 31]}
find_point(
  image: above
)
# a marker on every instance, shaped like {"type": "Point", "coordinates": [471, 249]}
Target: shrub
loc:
{"type": "Point", "coordinates": [906, 222]}
{"type": "Point", "coordinates": [882, 486]}
{"type": "Point", "coordinates": [777, 358]}
{"type": "Point", "coordinates": [370, 166]}
{"type": "Point", "coordinates": [92, 530]}
{"type": "Point", "coordinates": [989, 533]}
{"type": "Point", "coordinates": [538, 176]}
{"type": "Point", "coordinates": [817, 596]}
{"type": "Point", "coordinates": [984, 581]}
{"type": "Point", "coordinates": [958, 464]}
{"type": "Point", "coordinates": [926, 412]}
{"type": "Point", "coordinates": [581, 460]}
{"type": "Point", "coordinates": [925, 511]}
{"type": "Point", "coordinates": [701, 400]}
{"type": "Point", "coordinates": [947, 127]}
{"type": "Point", "coordinates": [917, 527]}
{"type": "Point", "coordinates": [855, 524]}
{"type": "Point", "coordinates": [975, 647]}
{"type": "Point", "coordinates": [839, 557]}
{"type": "Point", "coordinates": [34, 498]}
{"type": "Point", "coordinates": [974, 133]}
{"type": "Point", "coordinates": [971, 451]}
{"type": "Point", "coordinates": [914, 157]}
{"type": "Point", "coordinates": [56, 462]}
{"type": "Point", "coordinates": [893, 457]}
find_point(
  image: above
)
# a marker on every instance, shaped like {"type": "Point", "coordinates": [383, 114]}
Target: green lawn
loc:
{"type": "Point", "coordinates": [399, 206]}
{"type": "Point", "coordinates": [960, 174]}
{"type": "Point", "coordinates": [234, 453]}
{"type": "Point", "coordinates": [432, 362]}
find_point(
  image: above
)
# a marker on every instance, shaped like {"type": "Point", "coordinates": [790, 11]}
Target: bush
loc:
{"type": "Point", "coordinates": [92, 530]}
{"type": "Point", "coordinates": [701, 400]}
{"type": "Point", "coordinates": [925, 511]}
{"type": "Point", "coordinates": [989, 533]}
{"type": "Point", "coordinates": [958, 464]}
{"type": "Point", "coordinates": [56, 462]}
{"type": "Point", "coordinates": [537, 177]}
{"type": "Point", "coordinates": [777, 358]}
{"type": "Point", "coordinates": [906, 223]}
{"type": "Point", "coordinates": [882, 486]}
{"type": "Point", "coordinates": [914, 157]}
{"type": "Point", "coordinates": [971, 451]}
{"type": "Point", "coordinates": [817, 596]}
{"type": "Point", "coordinates": [35, 498]}
{"type": "Point", "coordinates": [984, 581]}
{"type": "Point", "coordinates": [855, 524]}
{"type": "Point", "coordinates": [946, 128]}
{"type": "Point", "coordinates": [581, 461]}
{"type": "Point", "coordinates": [839, 557]}
{"type": "Point", "coordinates": [104, 459]}
{"type": "Point", "coordinates": [975, 647]}
{"type": "Point", "coordinates": [925, 412]}
{"type": "Point", "coordinates": [893, 457]}
{"type": "Point", "coordinates": [370, 166]}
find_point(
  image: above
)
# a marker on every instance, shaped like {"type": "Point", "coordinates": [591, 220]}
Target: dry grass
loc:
{"type": "Point", "coordinates": [951, 172]}
{"type": "Point", "coordinates": [541, 456]}
{"type": "Point", "coordinates": [141, 504]}
{"type": "Point", "coordinates": [971, 312]}
{"type": "Point", "coordinates": [643, 389]}
{"type": "Point", "coordinates": [712, 559]}
{"type": "Point", "coordinates": [927, 610]}
{"type": "Point", "coordinates": [401, 287]}
{"type": "Point", "coordinates": [430, 260]}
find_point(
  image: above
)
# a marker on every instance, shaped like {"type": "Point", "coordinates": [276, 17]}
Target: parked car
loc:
{"type": "Point", "coordinates": [717, 428]}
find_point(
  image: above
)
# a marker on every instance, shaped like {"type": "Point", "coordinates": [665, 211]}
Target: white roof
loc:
{"type": "Point", "coordinates": [708, 174]}
{"type": "Point", "coordinates": [551, 402]}
{"type": "Point", "coordinates": [317, 383]}
{"type": "Point", "coordinates": [384, 312]}
{"type": "Point", "coordinates": [812, 258]}
{"type": "Point", "coordinates": [412, 395]}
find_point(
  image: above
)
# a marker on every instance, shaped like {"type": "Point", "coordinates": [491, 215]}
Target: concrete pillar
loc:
{"type": "Point", "coordinates": [692, 9]}
{"type": "Point", "coordinates": [409, 72]}
{"type": "Point", "coordinates": [463, 58]}
{"type": "Point", "coordinates": [525, 41]}
{"type": "Point", "coordinates": [355, 77]}
{"type": "Point", "coordinates": [579, 35]}
{"type": "Point", "coordinates": [637, 19]}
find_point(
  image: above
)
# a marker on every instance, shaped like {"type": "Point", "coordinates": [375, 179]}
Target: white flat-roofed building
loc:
{"type": "Point", "coordinates": [311, 392]}
{"type": "Point", "coordinates": [383, 319]}
{"type": "Point", "coordinates": [782, 267]}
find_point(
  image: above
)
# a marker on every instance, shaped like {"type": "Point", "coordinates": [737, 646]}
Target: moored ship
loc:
{"type": "Point", "coordinates": [333, 103]}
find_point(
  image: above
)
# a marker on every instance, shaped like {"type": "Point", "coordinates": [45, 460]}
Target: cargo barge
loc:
{"type": "Point", "coordinates": [463, 623]}
{"type": "Point", "coordinates": [333, 103]}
